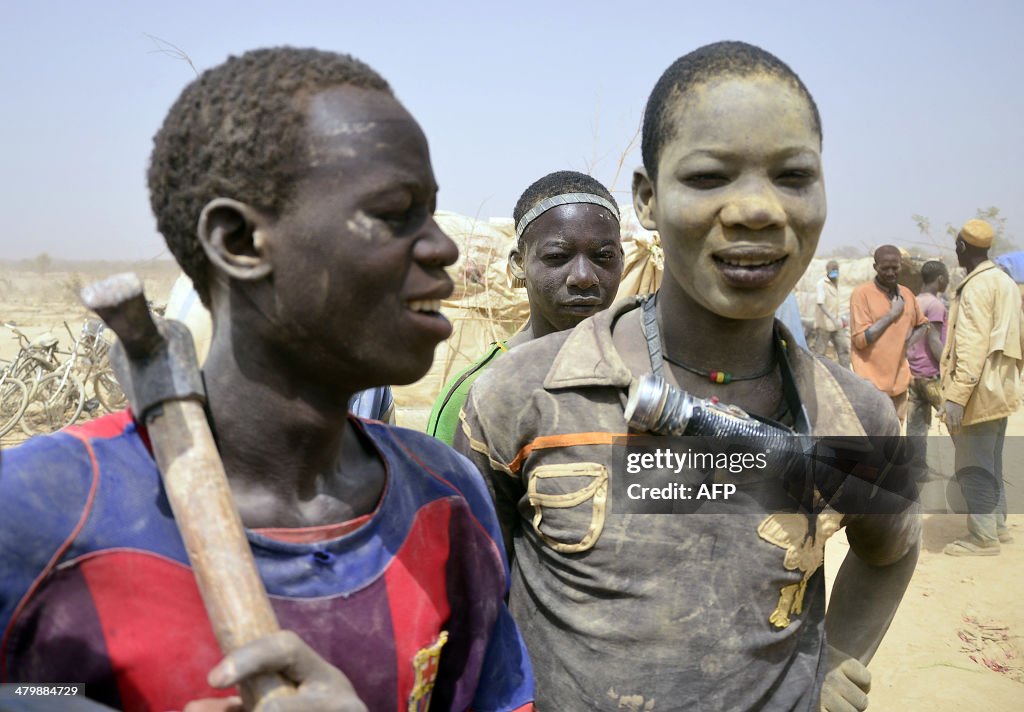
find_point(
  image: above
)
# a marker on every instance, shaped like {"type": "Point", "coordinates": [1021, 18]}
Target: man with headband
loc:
{"type": "Point", "coordinates": [568, 256]}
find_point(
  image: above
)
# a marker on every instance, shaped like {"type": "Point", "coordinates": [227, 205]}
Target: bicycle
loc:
{"type": "Point", "coordinates": [58, 397]}
{"type": "Point", "coordinates": [35, 359]}
{"type": "Point", "coordinates": [108, 391]}
{"type": "Point", "coordinates": [99, 373]}
{"type": "Point", "coordinates": [13, 401]}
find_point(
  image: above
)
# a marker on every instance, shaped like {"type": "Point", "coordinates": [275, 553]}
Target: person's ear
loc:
{"type": "Point", "coordinates": [644, 201]}
{"type": "Point", "coordinates": [515, 266]}
{"type": "Point", "coordinates": [232, 237]}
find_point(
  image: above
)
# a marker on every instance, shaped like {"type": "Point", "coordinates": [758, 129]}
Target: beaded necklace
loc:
{"type": "Point", "coordinates": [793, 403]}
{"type": "Point", "coordinates": [658, 352]}
{"type": "Point", "coordinates": [722, 377]}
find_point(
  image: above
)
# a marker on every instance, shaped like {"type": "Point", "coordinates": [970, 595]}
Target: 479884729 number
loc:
{"type": "Point", "coordinates": [11, 690]}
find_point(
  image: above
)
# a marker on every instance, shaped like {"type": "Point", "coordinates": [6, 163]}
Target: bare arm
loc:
{"type": "Point", "coordinates": [875, 331]}
{"type": "Point", "coordinates": [871, 582]}
{"type": "Point", "coordinates": [864, 330]}
{"type": "Point", "coordinates": [884, 547]}
{"type": "Point", "coordinates": [916, 333]}
{"type": "Point", "coordinates": [864, 601]}
{"type": "Point", "coordinates": [935, 341]}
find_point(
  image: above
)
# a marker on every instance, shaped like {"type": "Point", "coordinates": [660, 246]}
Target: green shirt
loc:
{"type": "Point", "coordinates": [444, 416]}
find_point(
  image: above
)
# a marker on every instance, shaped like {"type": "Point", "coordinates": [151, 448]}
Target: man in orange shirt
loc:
{"type": "Point", "coordinates": [884, 320]}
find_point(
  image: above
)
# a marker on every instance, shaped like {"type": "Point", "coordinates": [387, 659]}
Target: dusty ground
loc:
{"type": "Point", "coordinates": [42, 300]}
{"type": "Point", "coordinates": [956, 644]}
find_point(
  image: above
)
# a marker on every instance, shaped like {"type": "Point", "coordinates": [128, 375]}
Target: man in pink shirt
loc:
{"type": "Point", "coordinates": [925, 392]}
{"type": "Point", "coordinates": [884, 320]}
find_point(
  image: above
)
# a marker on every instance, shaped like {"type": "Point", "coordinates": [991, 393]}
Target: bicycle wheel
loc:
{"type": "Point", "coordinates": [57, 404]}
{"type": "Point", "coordinates": [13, 399]}
{"type": "Point", "coordinates": [109, 392]}
{"type": "Point", "coordinates": [31, 370]}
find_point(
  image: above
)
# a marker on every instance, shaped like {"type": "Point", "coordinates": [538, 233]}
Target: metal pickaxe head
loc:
{"type": "Point", "coordinates": [154, 361]}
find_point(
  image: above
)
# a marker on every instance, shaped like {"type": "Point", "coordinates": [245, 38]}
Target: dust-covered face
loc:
{"type": "Point", "coordinates": [358, 261]}
{"type": "Point", "coordinates": [572, 259]}
{"type": "Point", "coordinates": [887, 269]}
{"type": "Point", "coordinates": [740, 196]}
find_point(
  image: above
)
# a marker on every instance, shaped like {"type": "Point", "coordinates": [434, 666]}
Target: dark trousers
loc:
{"type": "Point", "coordinates": [979, 471]}
{"type": "Point", "coordinates": [840, 339]}
{"type": "Point", "coordinates": [919, 422]}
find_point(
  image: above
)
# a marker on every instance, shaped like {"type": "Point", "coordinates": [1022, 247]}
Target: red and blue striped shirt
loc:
{"type": "Point", "coordinates": [95, 585]}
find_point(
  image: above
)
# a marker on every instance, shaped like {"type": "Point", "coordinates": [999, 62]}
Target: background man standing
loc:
{"type": "Point", "coordinates": [981, 367]}
{"type": "Point", "coordinates": [923, 356]}
{"type": "Point", "coordinates": [884, 318]}
{"type": "Point", "coordinates": [828, 324]}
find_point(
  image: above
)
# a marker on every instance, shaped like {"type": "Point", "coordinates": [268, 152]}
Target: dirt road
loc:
{"type": "Point", "coordinates": [956, 643]}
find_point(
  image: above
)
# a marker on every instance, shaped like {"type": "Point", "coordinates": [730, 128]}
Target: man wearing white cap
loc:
{"type": "Point", "coordinates": [981, 368]}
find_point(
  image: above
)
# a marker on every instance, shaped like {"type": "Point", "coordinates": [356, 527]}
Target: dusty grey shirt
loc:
{"type": "Point", "coordinates": [710, 612]}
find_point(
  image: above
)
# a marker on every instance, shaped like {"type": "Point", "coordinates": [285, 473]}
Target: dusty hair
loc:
{"type": "Point", "coordinates": [721, 59]}
{"type": "Point", "coordinates": [234, 132]}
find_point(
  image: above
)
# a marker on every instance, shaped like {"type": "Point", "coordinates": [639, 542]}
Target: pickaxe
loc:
{"type": "Point", "coordinates": [156, 365]}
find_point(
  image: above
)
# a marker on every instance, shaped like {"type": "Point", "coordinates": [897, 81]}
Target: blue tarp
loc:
{"type": "Point", "coordinates": [1014, 263]}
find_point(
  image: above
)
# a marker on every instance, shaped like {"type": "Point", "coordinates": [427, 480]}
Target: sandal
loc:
{"type": "Point", "coordinates": [1005, 538]}
{"type": "Point", "coordinates": [963, 547]}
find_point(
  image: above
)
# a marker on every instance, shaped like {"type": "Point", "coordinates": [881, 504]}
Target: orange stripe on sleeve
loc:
{"type": "Point", "coordinates": [565, 440]}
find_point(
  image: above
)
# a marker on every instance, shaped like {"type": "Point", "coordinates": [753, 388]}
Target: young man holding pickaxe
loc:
{"type": "Point", "coordinates": [319, 258]}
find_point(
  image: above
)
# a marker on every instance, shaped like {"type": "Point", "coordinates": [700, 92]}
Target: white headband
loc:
{"type": "Point", "coordinates": [565, 199]}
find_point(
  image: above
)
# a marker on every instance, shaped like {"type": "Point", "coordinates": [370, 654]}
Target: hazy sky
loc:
{"type": "Point", "coordinates": [922, 102]}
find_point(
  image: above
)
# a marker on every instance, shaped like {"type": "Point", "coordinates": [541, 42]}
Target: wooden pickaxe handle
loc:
{"type": "Point", "coordinates": [157, 368]}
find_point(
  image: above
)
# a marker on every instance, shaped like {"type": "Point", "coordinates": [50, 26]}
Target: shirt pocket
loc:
{"type": "Point", "coordinates": [569, 503]}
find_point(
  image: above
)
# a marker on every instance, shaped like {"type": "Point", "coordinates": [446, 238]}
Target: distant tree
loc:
{"type": "Point", "coordinates": [42, 263]}
{"type": "Point", "coordinates": [1003, 241]}
{"type": "Point", "coordinates": [924, 225]}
